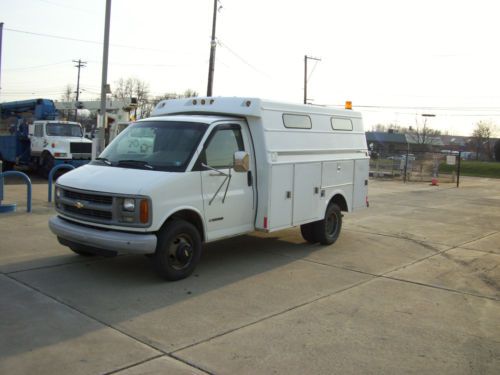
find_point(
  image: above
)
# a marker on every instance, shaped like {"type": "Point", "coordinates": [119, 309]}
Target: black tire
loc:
{"type": "Point", "coordinates": [178, 250]}
{"type": "Point", "coordinates": [6, 165]}
{"type": "Point", "coordinates": [81, 251]}
{"type": "Point", "coordinates": [47, 164]}
{"type": "Point", "coordinates": [327, 231]}
{"type": "Point", "coordinates": [307, 232]}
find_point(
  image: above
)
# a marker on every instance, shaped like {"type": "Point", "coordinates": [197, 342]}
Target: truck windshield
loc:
{"type": "Point", "coordinates": [64, 130]}
{"type": "Point", "coordinates": [158, 145]}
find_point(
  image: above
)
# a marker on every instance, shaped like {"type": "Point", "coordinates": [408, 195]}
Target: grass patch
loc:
{"type": "Point", "coordinates": [474, 168]}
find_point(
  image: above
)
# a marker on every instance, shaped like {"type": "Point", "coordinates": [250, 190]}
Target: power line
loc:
{"type": "Point", "coordinates": [88, 41]}
{"type": "Point", "coordinates": [36, 66]}
{"type": "Point", "coordinates": [66, 6]}
{"type": "Point", "coordinates": [244, 61]}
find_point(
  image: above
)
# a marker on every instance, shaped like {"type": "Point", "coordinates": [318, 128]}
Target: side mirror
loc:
{"type": "Point", "coordinates": [241, 161]}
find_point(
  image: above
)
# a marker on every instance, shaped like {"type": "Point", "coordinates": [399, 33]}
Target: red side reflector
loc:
{"type": "Point", "coordinates": [265, 222]}
{"type": "Point", "coordinates": [367, 203]}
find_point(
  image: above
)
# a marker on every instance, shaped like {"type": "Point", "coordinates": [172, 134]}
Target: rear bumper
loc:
{"type": "Point", "coordinates": [110, 240]}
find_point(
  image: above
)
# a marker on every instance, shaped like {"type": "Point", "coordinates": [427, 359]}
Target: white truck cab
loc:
{"type": "Point", "coordinates": [54, 142]}
{"type": "Point", "coordinates": [204, 169]}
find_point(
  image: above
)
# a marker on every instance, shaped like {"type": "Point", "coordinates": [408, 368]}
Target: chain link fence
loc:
{"type": "Point", "coordinates": [430, 167]}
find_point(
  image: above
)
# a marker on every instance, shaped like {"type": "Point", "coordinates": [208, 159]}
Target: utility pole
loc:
{"type": "Point", "coordinates": [305, 74]}
{"type": "Point", "coordinates": [1, 38]}
{"type": "Point", "coordinates": [101, 120]}
{"type": "Point", "coordinates": [213, 44]}
{"type": "Point", "coordinates": [80, 64]}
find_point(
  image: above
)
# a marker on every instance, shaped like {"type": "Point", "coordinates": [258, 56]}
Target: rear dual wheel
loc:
{"type": "Point", "coordinates": [324, 231]}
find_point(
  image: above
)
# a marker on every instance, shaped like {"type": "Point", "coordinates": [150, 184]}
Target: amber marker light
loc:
{"type": "Point", "coordinates": [348, 104]}
{"type": "Point", "coordinates": [144, 211]}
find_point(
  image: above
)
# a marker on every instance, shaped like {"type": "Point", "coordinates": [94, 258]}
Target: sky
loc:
{"type": "Point", "coordinates": [395, 60]}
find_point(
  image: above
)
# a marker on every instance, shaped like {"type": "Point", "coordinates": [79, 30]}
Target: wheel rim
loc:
{"type": "Point", "coordinates": [180, 252]}
{"type": "Point", "coordinates": [331, 224]}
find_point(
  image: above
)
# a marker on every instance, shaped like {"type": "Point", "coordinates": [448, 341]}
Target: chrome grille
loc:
{"type": "Point", "coordinates": [94, 198]}
{"type": "Point", "coordinates": [98, 214]}
{"type": "Point", "coordinates": [86, 205]}
{"type": "Point", "coordinates": [80, 148]}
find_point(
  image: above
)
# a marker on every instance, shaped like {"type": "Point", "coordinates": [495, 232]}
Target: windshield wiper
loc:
{"type": "Point", "coordinates": [104, 160]}
{"type": "Point", "coordinates": [135, 163]}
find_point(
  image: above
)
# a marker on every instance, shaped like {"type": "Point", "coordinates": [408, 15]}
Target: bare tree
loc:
{"type": "Point", "coordinates": [190, 94]}
{"type": "Point", "coordinates": [133, 88]}
{"type": "Point", "coordinates": [152, 102]}
{"type": "Point", "coordinates": [482, 134]}
{"type": "Point", "coordinates": [68, 94]}
{"type": "Point", "coordinates": [424, 135]}
{"type": "Point", "coordinates": [390, 128]}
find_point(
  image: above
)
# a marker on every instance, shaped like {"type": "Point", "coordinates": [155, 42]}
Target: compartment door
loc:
{"type": "Point", "coordinates": [360, 183]}
{"type": "Point", "coordinates": [280, 199]}
{"type": "Point", "coordinates": [306, 192]}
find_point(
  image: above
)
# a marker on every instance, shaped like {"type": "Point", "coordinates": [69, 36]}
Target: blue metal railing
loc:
{"type": "Point", "coordinates": [28, 184]}
{"type": "Point", "coordinates": [51, 176]}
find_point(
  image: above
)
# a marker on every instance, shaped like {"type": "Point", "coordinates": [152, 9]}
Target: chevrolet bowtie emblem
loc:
{"type": "Point", "coordinates": [79, 205]}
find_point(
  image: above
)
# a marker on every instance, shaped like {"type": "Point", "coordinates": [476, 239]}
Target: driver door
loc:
{"type": "Point", "coordinates": [228, 196]}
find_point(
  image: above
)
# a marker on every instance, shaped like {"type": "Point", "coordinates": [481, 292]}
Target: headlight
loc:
{"type": "Point", "coordinates": [129, 204]}
{"type": "Point", "coordinates": [58, 193]}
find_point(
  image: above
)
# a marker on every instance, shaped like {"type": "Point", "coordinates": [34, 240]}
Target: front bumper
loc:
{"type": "Point", "coordinates": [74, 162]}
{"type": "Point", "coordinates": [111, 240]}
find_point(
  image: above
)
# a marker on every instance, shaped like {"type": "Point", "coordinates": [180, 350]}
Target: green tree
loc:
{"type": "Point", "coordinates": [482, 134]}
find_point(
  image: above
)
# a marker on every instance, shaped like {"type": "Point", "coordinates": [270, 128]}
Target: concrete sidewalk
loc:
{"type": "Point", "coordinates": [411, 286]}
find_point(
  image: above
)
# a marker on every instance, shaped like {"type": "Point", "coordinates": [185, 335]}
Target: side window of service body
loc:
{"type": "Point", "coordinates": [222, 144]}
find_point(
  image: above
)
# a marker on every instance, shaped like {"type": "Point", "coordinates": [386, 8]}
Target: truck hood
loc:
{"type": "Point", "coordinates": [115, 180]}
{"type": "Point", "coordinates": [68, 139]}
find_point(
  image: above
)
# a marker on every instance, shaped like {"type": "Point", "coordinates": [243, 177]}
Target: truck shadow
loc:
{"type": "Point", "coordinates": [125, 292]}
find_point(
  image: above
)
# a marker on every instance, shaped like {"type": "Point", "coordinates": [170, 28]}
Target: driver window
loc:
{"type": "Point", "coordinates": [38, 130]}
{"type": "Point", "coordinates": [220, 151]}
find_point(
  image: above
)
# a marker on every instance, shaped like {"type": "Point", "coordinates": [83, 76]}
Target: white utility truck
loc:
{"type": "Point", "coordinates": [56, 142]}
{"type": "Point", "coordinates": [204, 169]}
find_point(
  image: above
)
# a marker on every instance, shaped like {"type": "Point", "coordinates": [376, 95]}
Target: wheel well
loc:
{"type": "Point", "coordinates": [340, 201]}
{"type": "Point", "coordinates": [43, 155]}
{"type": "Point", "coordinates": [191, 217]}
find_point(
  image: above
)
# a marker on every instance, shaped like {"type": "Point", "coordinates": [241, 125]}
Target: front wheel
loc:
{"type": "Point", "coordinates": [327, 231]}
{"type": "Point", "coordinates": [178, 250]}
{"type": "Point", "coordinates": [47, 164]}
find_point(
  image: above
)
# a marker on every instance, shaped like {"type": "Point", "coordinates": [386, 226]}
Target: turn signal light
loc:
{"type": "Point", "coordinates": [144, 211]}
